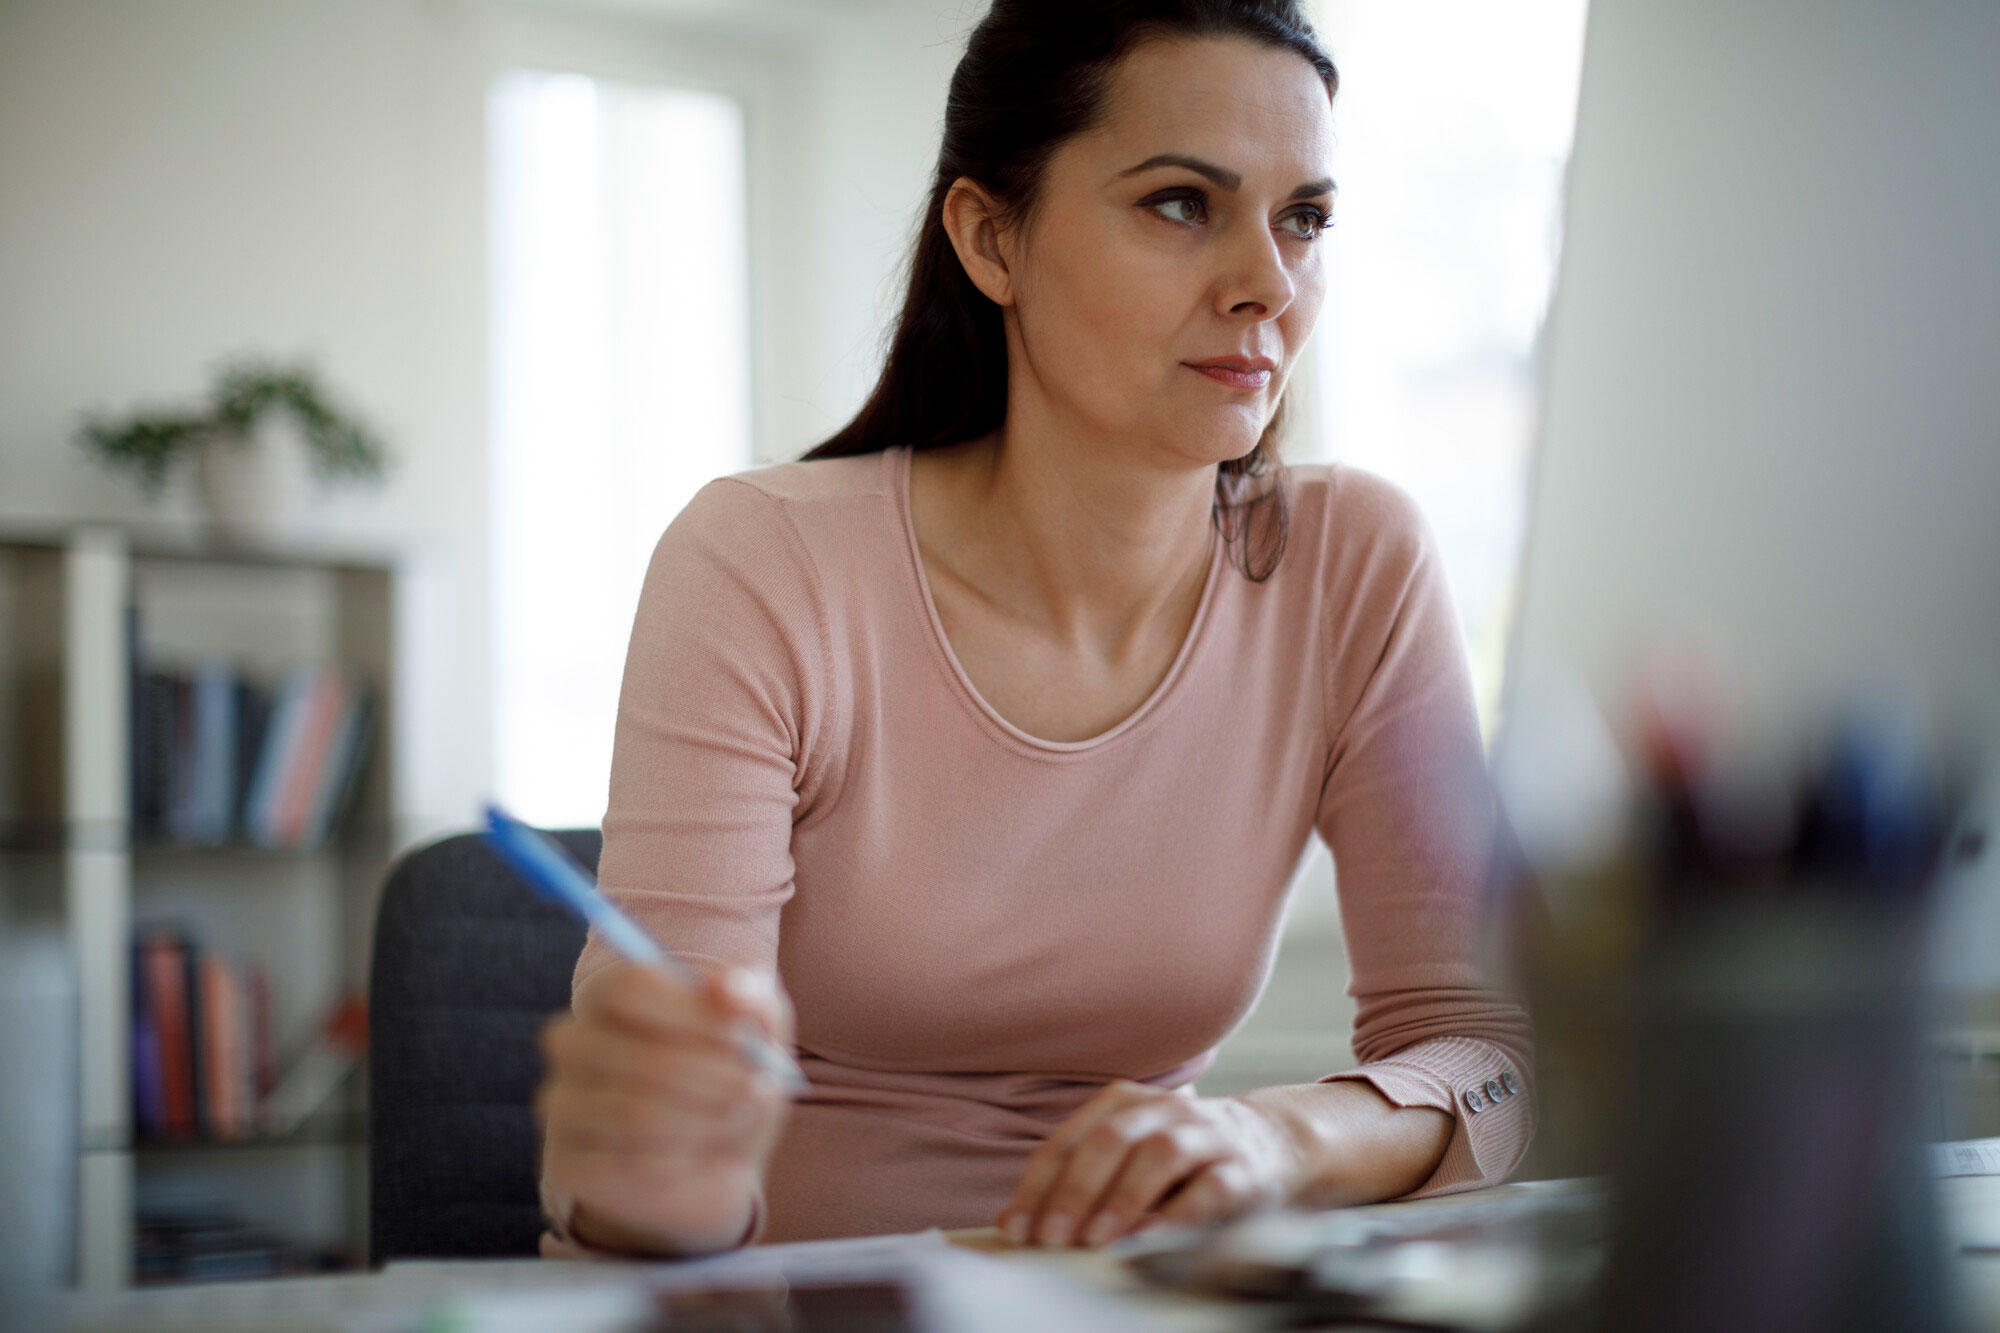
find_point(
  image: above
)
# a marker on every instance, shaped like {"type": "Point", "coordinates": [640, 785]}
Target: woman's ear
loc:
{"type": "Point", "coordinates": [972, 221]}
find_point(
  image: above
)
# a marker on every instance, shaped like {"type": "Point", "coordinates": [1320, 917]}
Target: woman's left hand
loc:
{"type": "Point", "coordinates": [1136, 1154]}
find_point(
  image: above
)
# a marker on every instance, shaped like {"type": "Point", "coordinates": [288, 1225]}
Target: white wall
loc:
{"type": "Point", "coordinates": [879, 95]}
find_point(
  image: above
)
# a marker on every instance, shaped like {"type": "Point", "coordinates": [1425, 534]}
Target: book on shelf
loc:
{"type": "Point", "coordinates": [284, 818]}
{"type": "Point", "coordinates": [227, 1061]}
{"type": "Point", "coordinates": [205, 761]}
{"type": "Point", "coordinates": [206, 1244]}
{"type": "Point", "coordinates": [201, 1028]}
{"type": "Point", "coordinates": [203, 1067]}
{"type": "Point", "coordinates": [340, 773]}
{"type": "Point", "coordinates": [163, 1064]}
{"type": "Point", "coordinates": [317, 742]}
{"type": "Point", "coordinates": [217, 757]}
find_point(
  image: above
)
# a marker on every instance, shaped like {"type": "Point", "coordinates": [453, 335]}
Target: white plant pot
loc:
{"type": "Point", "coordinates": [259, 490]}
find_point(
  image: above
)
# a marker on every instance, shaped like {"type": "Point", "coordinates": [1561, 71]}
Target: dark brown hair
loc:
{"type": "Point", "coordinates": [1034, 73]}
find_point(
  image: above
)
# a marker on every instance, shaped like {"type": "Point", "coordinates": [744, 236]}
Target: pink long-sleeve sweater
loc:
{"type": "Point", "coordinates": [979, 928]}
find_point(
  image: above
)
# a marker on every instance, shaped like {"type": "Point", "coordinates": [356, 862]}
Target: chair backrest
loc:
{"type": "Point", "coordinates": [468, 965]}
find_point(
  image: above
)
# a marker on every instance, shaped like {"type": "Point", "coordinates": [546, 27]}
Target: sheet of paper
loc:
{"type": "Point", "coordinates": [498, 1294]}
{"type": "Point", "coordinates": [1969, 1157]}
{"type": "Point", "coordinates": [854, 1257]}
{"type": "Point", "coordinates": [950, 1288]}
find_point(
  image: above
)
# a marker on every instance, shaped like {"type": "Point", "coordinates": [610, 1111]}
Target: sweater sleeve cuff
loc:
{"type": "Point", "coordinates": [558, 1243]}
{"type": "Point", "coordinates": [1480, 1086]}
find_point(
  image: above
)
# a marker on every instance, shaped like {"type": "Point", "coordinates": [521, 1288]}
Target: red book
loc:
{"type": "Point", "coordinates": [304, 766]}
{"type": "Point", "coordinates": [218, 1046]}
{"type": "Point", "coordinates": [165, 968]}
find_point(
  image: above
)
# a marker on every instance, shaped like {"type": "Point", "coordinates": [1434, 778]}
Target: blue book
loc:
{"type": "Point", "coordinates": [281, 739]}
{"type": "Point", "coordinates": [201, 812]}
{"type": "Point", "coordinates": [253, 712]}
{"type": "Point", "coordinates": [149, 1098]}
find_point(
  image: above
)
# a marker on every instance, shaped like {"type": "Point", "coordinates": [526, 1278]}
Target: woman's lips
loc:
{"type": "Point", "coordinates": [1238, 372]}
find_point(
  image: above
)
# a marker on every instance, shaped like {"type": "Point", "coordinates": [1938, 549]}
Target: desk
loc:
{"type": "Point", "coordinates": [988, 1284]}
{"type": "Point", "coordinates": [1970, 1207]}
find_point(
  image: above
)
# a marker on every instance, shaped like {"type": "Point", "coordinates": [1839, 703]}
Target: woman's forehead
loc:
{"type": "Point", "coordinates": [1245, 105]}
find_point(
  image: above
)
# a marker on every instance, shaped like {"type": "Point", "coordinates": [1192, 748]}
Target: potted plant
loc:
{"type": "Point", "coordinates": [265, 436]}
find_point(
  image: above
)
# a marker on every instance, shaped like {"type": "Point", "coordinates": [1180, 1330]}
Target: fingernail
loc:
{"type": "Point", "coordinates": [1014, 1227]}
{"type": "Point", "coordinates": [1056, 1229]}
{"type": "Point", "coordinates": [1101, 1229]}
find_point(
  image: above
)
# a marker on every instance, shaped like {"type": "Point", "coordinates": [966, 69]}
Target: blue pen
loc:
{"type": "Point", "coordinates": [551, 872]}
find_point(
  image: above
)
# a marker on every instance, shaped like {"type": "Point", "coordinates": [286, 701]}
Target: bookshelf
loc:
{"type": "Point", "coordinates": [69, 851]}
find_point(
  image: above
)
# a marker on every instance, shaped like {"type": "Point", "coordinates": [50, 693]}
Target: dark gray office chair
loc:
{"type": "Point", "coordinates": [468, 965]}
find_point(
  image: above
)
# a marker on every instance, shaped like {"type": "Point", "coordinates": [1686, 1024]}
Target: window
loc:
{"type": "Point", "coordinates": [621, 384]}
{"type": "Point", "coordinates": [1453, 124]}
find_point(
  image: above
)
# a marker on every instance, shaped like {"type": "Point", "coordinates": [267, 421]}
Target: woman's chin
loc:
{"type": "Point", "coordinates": [1216, 436]}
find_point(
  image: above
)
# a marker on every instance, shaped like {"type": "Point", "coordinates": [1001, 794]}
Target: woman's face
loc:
{"type": "Point", "coordinates": [1171, 269]}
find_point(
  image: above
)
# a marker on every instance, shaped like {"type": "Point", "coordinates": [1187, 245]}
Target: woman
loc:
{"type": "Point", "coordinates": [996, 727]}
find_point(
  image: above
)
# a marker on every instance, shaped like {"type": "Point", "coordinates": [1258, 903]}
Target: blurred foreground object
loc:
{"type": "Point", "coordinates": [37, 1125]}
{"type": "Point", "coordinates": [1734, 994]}
{"type": "Point", "coordinates": [1771, 422]}
{"type": "Point", "coordinates": [1768, 439]}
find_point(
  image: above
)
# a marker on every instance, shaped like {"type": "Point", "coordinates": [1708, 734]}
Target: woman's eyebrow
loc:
{"type": "Point", "coordinates": [1222, 176]}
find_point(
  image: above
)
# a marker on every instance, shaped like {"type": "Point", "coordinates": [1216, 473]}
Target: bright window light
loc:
{"type": "Point", "coordinates": [1453, 126]}
{"type": "Point", "coordinates": [621, 384]}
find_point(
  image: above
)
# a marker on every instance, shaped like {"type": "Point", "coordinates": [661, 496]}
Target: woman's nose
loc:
{"type": "Point", "coordinates": [1256, 280]}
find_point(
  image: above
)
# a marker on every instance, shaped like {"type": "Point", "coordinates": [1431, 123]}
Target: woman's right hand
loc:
{"type": "Point", "coordinates": [655, 1128]}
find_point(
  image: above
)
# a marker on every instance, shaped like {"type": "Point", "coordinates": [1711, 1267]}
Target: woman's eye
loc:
{"type": "Point", "coordinates": [1182, 208]}
{"type": "Point", "coordinates": [1306, 224]}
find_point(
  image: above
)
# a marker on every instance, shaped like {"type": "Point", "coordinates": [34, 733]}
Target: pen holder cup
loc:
{"type": "Point", "coordinates": [1768, 1165]}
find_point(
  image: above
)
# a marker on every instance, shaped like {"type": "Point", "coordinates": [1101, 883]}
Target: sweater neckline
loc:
{"type": "Point", "coordinates": [898, 459]}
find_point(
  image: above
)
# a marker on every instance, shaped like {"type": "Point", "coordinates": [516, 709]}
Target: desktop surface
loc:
{"type": "Point", "coordinates": [976, 1281]}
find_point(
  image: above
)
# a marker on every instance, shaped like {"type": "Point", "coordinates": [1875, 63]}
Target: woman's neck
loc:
{"type": "Point", "coordinates": [1091, 540]}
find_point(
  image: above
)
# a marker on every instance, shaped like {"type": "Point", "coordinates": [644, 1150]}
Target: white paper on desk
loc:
{"type": "Point", "coordinates": [794, 1260]}
{"type": "Point", "coordinates": [593, 1296]}
{"type": "Point", "coordinates": [850, 1259]}
{"type": "Point", "coordinates": [948, 1289]}
{"type": "Point", "coordinates": [1969, 1157]}
{"type": "Point", "coordinates": [499, 1294]}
